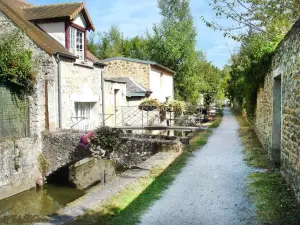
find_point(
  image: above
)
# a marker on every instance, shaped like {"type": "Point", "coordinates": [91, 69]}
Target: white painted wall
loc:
{"type": "Point", "coordinates": [80, 21]}
{"type": "Point", "coordinates": [110, 110]}
{"type": "Point", "coordinates": [80, 84]}
{"type": "Point", "coordinates": [55, 30]}
{"type": "Point", "coordinates": [161, 85]}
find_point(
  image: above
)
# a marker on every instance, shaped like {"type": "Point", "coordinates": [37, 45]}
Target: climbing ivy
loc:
{"type": "Point", "coordinates": [248, 70]}
{"type": "Point", "coordinates": [16, 65]}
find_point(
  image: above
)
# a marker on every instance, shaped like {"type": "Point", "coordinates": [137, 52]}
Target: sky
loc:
{"type": "Point", "coordinates": [134, 17]}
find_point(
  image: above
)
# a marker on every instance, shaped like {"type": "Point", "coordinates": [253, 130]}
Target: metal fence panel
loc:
{"type": "Point", "coordinates": [14, 115]}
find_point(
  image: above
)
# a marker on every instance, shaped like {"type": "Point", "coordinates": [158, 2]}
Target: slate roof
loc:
{"type": "Point", "coordinates": [138, 61]}
{"type": "Point", "coordinates": [133, 88]}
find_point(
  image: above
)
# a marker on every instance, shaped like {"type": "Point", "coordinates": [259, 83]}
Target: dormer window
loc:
{"type": "Point", "coordinates": [77, 43]}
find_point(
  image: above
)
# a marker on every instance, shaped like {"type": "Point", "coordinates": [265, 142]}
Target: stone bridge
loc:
{"type": "Point", "coordinates": [61, 148]}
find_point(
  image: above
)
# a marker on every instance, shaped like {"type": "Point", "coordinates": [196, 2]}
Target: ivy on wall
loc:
{"type": "Point", "coordinates": [17, 69]}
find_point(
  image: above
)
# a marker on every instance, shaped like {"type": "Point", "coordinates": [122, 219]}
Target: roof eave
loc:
{"type": "Point", "coordinates": [102, 65]}
{"type": "Point", "coordinates": [70, 56]}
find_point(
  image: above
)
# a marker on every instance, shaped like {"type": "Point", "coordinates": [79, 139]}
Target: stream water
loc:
{"type": "Point", "coordinates": [34, 205]}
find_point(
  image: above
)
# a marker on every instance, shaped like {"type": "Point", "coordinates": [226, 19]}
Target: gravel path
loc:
{"type": "Point", "coordinates": [210, 190]}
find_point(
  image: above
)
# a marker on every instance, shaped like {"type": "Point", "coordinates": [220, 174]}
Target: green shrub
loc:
{"type": "Point", "coordinates": [16, 65]}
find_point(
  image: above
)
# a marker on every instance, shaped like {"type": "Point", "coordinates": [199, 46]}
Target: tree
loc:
{"type": "Point", "coordinates": [271, 17]}
{"type": "Point", "coordinates": [112, 43]}
{"type": "Point", "coordinates": [261, 24]}
{"type": "Point", "coordinates": [173, 45]}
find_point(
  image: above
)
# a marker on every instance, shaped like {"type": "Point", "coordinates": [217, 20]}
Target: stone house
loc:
{"type": "Point", "coordinates": [146, 78]}
{"type": "Point", "coordinates": [277, 121]}
{"type": "Point", "coordinates": [69, 89]}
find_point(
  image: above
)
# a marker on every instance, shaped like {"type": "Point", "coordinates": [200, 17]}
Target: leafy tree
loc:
{"type": "Point", "coordinates": [173, 45]}
{"type": "Point", "coordinates": [112, 43]}
{"type": "Point", "coordinates": [270, 17]}
{"type": "Point", "coordinates": [261, 24]}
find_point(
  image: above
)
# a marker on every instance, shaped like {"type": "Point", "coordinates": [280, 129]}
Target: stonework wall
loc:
{"type": "Point", "coordinates": [286, 63]}
{"type": "Point", "coordinates": [121, 68]}
{"type": "Point", "coordinates": [61, 149]}
{"type": "Point", "coordinates": [80, 84]}
{"type": "Point", "coordinates": [90, 171]}
{"type": "Point", "coordinates": [18, 165]}
{"type": "Point", "coordinates": [12, 181]}
{"type": "Point", "coordinates": [46, 70]}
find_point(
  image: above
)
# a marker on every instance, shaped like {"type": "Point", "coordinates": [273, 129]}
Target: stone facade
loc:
{"type": "Point", "coordinates": [90, 171]}
{"type": "Point", "coordinates": [61, 148]}
{"type": "Point", "coordinates": [80, 83]}
{"type": "Point", "coordinates": [115, 96]}
{"type": "Point", "coordinates": [138, 71]}
{"type": "Point", "coordinates": [285, 66]}
{"type": "Point", "coordinates": [14, 181]}
{"type": "Point", "coordinates": [18, 165]}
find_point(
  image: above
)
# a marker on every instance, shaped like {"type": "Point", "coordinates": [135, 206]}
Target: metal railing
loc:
{"type": "Point", "coordinates": [136, 116]}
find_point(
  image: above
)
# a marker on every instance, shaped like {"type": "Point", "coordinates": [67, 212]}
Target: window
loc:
{"type": "Point", "coordinates": [83, 109]}
{"type": "Point", "coordinates": [77, 43]}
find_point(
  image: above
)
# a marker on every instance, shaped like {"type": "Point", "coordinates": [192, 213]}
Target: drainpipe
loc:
{"type": "Point", "coordinates": [59, 91]}
{"type": "Point", "coordinates": [103, 98]}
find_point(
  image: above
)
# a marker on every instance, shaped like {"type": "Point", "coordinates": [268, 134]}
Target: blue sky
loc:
{"type": "Point", "coordinates": [135, 16]}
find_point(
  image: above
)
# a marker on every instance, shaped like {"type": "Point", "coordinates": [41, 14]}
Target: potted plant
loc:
{"type": "Point", "coordinates": [173, 106]}
{"type": "Point", "coordinates": [149, 104]}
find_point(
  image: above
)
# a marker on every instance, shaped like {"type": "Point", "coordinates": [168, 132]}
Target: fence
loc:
{"type": "Point", "coordinates": [145, 116]}
{"type": "Point", "coordinates": [14, 115]}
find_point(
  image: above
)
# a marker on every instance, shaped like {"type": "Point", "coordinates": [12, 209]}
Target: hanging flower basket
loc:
{"type": "Point", "coordinates": [173, 106]}
{"type": "Point", "coordinates": [149, 105]}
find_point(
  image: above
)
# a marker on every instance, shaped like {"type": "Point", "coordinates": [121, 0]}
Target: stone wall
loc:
{"type": "Point", "coordinates": [133, 150]}
{"type": "Point", "coordinates": [80, 83]}
{"type": "Point", "coordinates": [46, 70]}
{"type": "Point", "coordinates": [121, 68]}
{"type": "Point", "coordinates": [18, 165]}
{"type": "Point", "coordinates": [285, 64]}
{"type": "Point", "coordinates": [13, 181]}
{"type": "Point", "coordinates": [110, 112]}
{"type": "Point", "coordinates": [61, 148]}
{"type": "Point", "coordinates": [90, 171]}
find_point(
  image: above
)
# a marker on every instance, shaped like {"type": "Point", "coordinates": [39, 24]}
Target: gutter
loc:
{"type": "Point", "coordinates": [57, 58]}
{"type": "Point", "coordinates": [103, 98]}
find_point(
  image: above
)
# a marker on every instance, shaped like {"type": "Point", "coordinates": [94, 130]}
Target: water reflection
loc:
{"type": "Point", "coordinates": [34, 205]}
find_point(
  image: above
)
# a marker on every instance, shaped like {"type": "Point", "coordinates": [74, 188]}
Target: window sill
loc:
{"type": "Point", "coordinates": [83, 65]}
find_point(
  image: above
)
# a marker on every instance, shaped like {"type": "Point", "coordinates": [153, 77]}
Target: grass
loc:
{"type": "Point", "coordinates": [254, 153]}
{"type": "Point", "coordinates": [128, 206]}
{"type": "Point", "coordinates": [274, 200]}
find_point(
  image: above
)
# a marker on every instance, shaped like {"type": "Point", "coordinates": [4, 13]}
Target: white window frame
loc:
{"type": "Point", "coordinates": [74, 45]}
{"type": "Point", "coordinates": [83, 110]}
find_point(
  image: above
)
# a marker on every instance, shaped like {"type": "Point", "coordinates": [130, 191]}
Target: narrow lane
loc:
{"type": "Point", "coordinates": [210, 190]}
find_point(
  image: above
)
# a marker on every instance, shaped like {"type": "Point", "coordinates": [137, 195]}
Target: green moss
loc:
{"type": "Point", "coordinates": [43, 164]}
